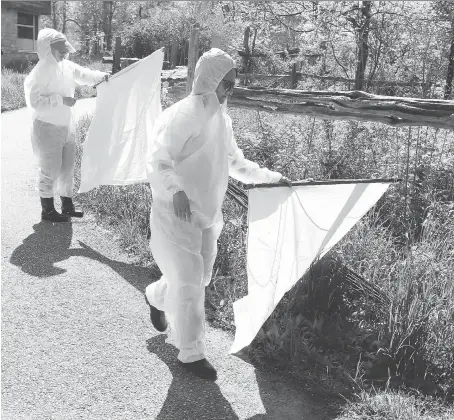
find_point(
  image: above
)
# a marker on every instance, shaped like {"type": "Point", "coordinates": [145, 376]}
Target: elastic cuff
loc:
{"type": "Point", "coordinates": [275, 177]}
{"type": "Point", "coordinates": [174, 189]}
{"type": "Point", "coordinates": [171, 185]}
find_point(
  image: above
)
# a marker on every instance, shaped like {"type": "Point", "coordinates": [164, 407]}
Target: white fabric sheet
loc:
{"type": "Point", "coordinates": [288, 229]}
{"type": "Point", "coordinates": [120, 133]}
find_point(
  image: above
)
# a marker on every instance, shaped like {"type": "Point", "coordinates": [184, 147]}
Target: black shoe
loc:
{"type": "Point", "coordinates": [49, 213]}
{"type": "Point", "coordinates": [202, 368]}
{"type": "Point", "coordinates": [68, 209]}
{"type": "Point", "coordinates": [157, 317]}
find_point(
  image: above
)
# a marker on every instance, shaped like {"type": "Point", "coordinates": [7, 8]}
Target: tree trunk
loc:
{"type": "Point", "coordinates": [450, 73]}
{"type": "Point", "coordinates": [107, 23]}
{"type": "Point", "coordinates": [363, 46]}
{"type": "Point", "coordinates": [246, 50]}
{"type": "Point", "coordinates": [249, 65]}
{"type": "Point", "coordinates": [54, 15]}
{"type": "Point", "coordinates": [94, 47]}
{"type": "Point", "coordinates": [63, 29]}
{"type": "Point", "coordinates": [193, 56]}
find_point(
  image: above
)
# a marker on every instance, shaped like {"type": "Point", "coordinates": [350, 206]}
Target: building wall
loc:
{"type": "Point", "coordinates": [9, 30]}
{"type": "Point", "coordinates": [10, 51]}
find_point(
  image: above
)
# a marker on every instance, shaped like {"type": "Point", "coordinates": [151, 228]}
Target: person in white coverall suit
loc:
{"type": "Point", "coordinates": [189, 164]}
{"type": "Point", "coordinates": [49, 92]}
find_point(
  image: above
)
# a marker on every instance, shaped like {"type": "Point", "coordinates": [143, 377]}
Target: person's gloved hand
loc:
{"type": "Point", "coordinates": [106, 77]}
{"type": "Point", "coordinates": [181, 206]}
{"type": "Point", "coordinates": [68, 101]}
{"type": "Point", "coordinates": [285, 181]}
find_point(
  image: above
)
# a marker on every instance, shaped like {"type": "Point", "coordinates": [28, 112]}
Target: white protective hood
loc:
{"type": "Point", "coordinates": [209, 71]}
{"type": "Point", "coordinates": [47, 67]}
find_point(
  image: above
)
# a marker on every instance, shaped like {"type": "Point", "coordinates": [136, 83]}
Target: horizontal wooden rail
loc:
{"type": "Point", "coordinates": [349, 105]}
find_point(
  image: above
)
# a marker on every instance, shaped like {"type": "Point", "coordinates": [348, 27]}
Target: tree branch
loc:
{"type": "Point", "coordinates": [290, 14]}
{"type": "Point", "coordinates": [284, 24]}
{"type": "Point", "coordinates": [339, 63]}
{"type": "Point", "coordinates": [77, 23]}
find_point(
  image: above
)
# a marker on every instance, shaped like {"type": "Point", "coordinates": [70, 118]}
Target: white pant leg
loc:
{"type": "Point", "coordinates": [156, 292]}
{"type": "Point", "coordinates": [176, 248]}
{"type": "Point", "coordinates": [65, 182]}
{"type": "Point", "coordinates": [48, 141]}
{"type": "Point", "coordinates": [210, 238]}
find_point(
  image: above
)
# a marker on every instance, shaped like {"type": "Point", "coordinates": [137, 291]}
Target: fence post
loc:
{"type": "Point", "coordinates": [193, 56]}
{"type": "Point", "coordinates": [246, 57]}
{"type": "Point", "coordinates": [117, 56]}
{"type": "Point", "coordinates": [174, 54]}
{"type": "Point", "coordinates": [216, 41]}
{"type": "Point", "coordinates": [294, 78]}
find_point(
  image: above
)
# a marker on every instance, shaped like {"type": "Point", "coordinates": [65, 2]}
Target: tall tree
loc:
{"type": "Point", "coordinates": [64, 17]}
{"type": "Point", "coordinates": [361, 25]}
{"type": "Point", "coordinates": [445, 13]}
{"type": "Point", "coordinates": [54, 7]}
{"type": "Point", "coordinates": [107, 17]}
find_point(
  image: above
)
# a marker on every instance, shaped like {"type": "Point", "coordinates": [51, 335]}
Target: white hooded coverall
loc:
{"type": "Point", "coordinates": [194, 151]}
{"type": "Point", "coordinates": [53, 129]}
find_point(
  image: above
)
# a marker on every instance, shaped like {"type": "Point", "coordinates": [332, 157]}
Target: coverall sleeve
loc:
{"type": "Point", "coordinates": [85, 76]}
{"type": "Point", "coordinates": [244, 170]}
{"type": "Point", "coordinates": [39, 100]}
{"type": "Point", "coordinates": [166, 150]}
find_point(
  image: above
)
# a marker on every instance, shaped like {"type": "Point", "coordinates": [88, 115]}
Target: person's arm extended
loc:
{"type": "Point", "coordinates": [84, 76]}
{"type": "Point", "coordinates": [244, 170]}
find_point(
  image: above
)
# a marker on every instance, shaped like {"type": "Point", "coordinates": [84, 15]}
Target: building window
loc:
{"type": "Point", "coordinates": [27, 31]}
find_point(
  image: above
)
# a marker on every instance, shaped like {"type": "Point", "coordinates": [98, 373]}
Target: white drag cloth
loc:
{"type": "Point", "coordinates": [126, 110]}
{"type": "Point", "coordinates": [288, 229]}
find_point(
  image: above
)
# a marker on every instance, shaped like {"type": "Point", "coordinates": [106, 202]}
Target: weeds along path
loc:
{"type": "Point", "coordinates": [76, 339]}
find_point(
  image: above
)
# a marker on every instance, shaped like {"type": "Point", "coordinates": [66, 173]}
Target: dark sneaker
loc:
{"type": "Point", "coordinates": [202, 368]}
{"type": "Point", "coordinates": [157, 317]}
{"type": "Point", "coordinates": [54, 216]}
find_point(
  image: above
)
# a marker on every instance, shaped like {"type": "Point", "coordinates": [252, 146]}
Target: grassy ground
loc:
{"type": "Point", "coordinates": [392, 360]}
{"type": "Point", "coordinates": [12, 90]}
{"type": "Point", "coordinates": [13, 84]}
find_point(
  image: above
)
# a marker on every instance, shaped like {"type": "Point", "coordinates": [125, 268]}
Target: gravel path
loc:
{"type": "Point", "coordinates": [76, 338]}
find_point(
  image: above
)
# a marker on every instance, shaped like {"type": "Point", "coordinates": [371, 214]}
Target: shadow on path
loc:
{"type": "Point", "coordinates": [50, 243]}
{"type": "Point", "coordinates": [188, 397]}
{"type": "Point", "coordinates": [135, 275]}
{"type": "Point", "coordinates": [47, 245]}
{"type": "Point", "coordinates": [284, 398]}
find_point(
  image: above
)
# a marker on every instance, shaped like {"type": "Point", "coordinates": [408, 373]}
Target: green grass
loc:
{"type": "Point", "coordinates": [332, 338]}
{"type": "Point", "coordinates": [12, 90]}
{"type": "Point", "coordinates": [386, 405]}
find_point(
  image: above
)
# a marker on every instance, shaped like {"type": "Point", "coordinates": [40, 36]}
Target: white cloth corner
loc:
{"type": "Point", "coordinates": [288, 229]}
{"type": "Point", "coordinates": [115, 150]}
